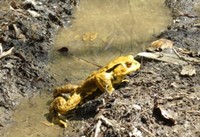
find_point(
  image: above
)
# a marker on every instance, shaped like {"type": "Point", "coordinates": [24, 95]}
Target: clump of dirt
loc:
{"type": "Point", "coordinates": [29, 27]}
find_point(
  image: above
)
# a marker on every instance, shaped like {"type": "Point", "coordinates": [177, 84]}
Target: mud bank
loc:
{"type": "Point", "coordinates": [30, 27]}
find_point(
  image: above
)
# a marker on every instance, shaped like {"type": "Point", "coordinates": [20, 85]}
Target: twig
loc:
{"type": "Point", "coordinates": [174, 98]}
{"type": "Point", "coordinates": [85, 61]}
{"type": "Point", "coordinates": [1, 49]}
{"type": "Point", "coordinates": [177, 53]}
{"type": "Point", "coordinates": [98, 125]}
{"type": "Point", "coordinates": [47, 124]}
{"type": "Point", "coordinates": [111, 123]}
{"type": "Point", "coordinates": [106, 121]}
{"type": "Point", "coordinates": [147, 131]}
{"type": "Point", "coordinates": [184, 58]}
{"type": "Point", "coordinates": [5, 53]}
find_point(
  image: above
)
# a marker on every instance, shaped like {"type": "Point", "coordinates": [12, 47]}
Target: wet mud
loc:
{"type": "Point", "coordinates": [29, 27]}
{"type": "Point", "coordinates": [158, 101]}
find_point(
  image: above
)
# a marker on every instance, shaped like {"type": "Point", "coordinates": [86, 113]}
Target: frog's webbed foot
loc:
{"type": "Point", "coordinates": [68, 88]}
{"type": "Point", "coordinates": [125, 81]}
{"type": "Point", "coordinates": [62, 122]}
{"type": "Point", "coordinates": [56, 119]}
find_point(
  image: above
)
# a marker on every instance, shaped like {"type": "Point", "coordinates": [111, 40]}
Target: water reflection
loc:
{"type": "Point", "coordinates": [105, 29]}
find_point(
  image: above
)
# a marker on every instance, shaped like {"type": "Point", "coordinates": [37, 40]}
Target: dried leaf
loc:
{"type": "Point", "coordinates": [160, 45]}
{"type": "Point", "coordinates": [188, 70]}
{"type": "Point", "coordinates": [164, 115]}
{"type": "Point", "coordinates": [13, 5]}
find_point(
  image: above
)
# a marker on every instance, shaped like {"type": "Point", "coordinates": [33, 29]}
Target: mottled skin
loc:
{"type": "Point", "coordinates": [103, 79]}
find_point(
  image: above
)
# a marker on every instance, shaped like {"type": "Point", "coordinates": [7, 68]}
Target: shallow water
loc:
{"type": "Point", "coordinates": [28, 119]}
{"type": "Point", "coordinates": [103, 30]}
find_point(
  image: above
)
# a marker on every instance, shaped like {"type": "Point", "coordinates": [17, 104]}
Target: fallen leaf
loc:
{"type": "Point", "coordinates": [160, 45]}
{"type": "Point", "coordinates": [161, 114]}
{"type": "Point", "coordinates": [188, 70]}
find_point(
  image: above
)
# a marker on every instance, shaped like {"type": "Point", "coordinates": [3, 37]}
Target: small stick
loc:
{"type": "Point", "coordinates": [86, 61]}
{"type": "Point", "coordinates": [186, 59]}
{"type": "Point", "coordinates": [98, 125]}
{"type": "Point", "coordinates": [177, 54]}
{"type": "Point", "coordinates": [147, 131]}
{"type": "Point", "coordinates": [6, 53]}
{"type": "Point", "coordinates": [174, 98]}
{"type": "Point", "coordinates": [1, 49]}
{"type": "Point", "coordinates": [106, 121]}
{"type": "Point", "coordinates": [111, 123]}
{"type": "Point", "coordinates": [47, 124]}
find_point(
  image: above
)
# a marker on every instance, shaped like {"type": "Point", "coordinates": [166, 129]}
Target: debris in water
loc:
{"type": "Point", "coordinates": [63, 50]}
{"type": "Point", "coordinates": [90, 36]}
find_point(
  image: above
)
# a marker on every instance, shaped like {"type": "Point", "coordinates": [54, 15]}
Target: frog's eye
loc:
{"type": "Point", "coordinates": [128, 64]}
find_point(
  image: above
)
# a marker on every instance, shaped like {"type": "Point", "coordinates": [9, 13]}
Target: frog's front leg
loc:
{"type": "Point", "coordinates": [104, 83]}
{"type": "Point", "coordinates": [68, 88]}
{"type": "Point", "coordinates": [61, 106]}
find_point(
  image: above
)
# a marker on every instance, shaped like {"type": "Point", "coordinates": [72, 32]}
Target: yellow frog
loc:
{"type": "Point", "coordinates": [103, 79]}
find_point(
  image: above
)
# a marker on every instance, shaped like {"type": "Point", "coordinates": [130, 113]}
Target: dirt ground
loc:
{"type": "Point", "coordinates": [160, 100]}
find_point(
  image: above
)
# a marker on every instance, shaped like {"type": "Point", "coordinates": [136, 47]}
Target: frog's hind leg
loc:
{"type": "Point", "coordinates": [68, 88]}
{"type": "Point", "coordinates": [54, 114]}
{"type": "Point", "coordinates": [61, 106]}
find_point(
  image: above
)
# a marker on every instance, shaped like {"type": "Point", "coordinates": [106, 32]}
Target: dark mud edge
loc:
{"type": "Point", "coordinates": [22, 73]}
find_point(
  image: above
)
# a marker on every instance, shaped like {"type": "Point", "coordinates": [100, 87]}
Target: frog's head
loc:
{"type": "Point", "coordinates": [124, 65]}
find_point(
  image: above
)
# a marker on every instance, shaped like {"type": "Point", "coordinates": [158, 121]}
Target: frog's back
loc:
{"type": "Point", "coordinates": [119, 60]}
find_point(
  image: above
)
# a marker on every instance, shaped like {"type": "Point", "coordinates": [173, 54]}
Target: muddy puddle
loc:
{"type": "Point", "coordinates": [103, 30]}
{"type": "Point", "coordinates": [28, 119]}
{"type": "Point", "coordinates": [100, 31]}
